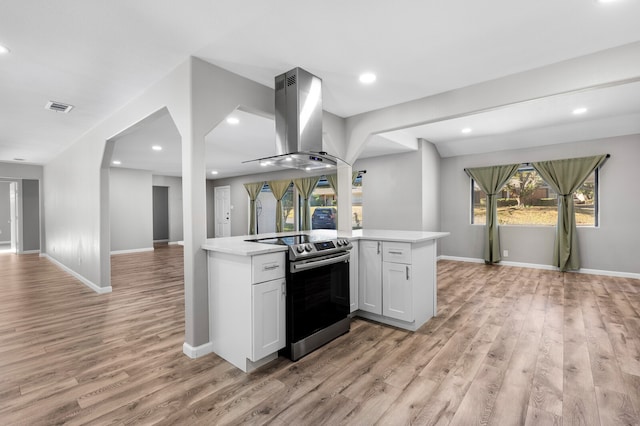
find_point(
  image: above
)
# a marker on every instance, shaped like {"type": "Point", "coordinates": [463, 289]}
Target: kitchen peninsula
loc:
{"type": "Point", "coordinates": [392, 278]}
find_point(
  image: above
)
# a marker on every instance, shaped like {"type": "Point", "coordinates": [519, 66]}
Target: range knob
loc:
{"type": "Point", "coordinates": [340, 243]}
{"type": "Point", "coordinates": [300, 249]}
{"type": "Point", "coordinates": [308, 247]}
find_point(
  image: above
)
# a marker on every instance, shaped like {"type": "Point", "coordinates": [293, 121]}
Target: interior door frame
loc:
{"type": "Point", "coordinates": [216, 190]}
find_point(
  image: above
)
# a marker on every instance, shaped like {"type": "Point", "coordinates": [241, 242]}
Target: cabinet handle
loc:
{"type": "Point", "coordinates": [270, 267]}
{"type": "Point", "coordinates": [407, 268]}
{"type": "Point", "coordinates": [284, 288]}
{"type": "Point", "coordinates": [394, 252]}
{"type": "Point", "coordinates": [379, 247]}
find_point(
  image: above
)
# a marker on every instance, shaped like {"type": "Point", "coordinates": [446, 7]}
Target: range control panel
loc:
{"type": "Point", "coordinates": [318, 248]}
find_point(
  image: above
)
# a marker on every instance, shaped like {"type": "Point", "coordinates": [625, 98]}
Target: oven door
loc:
{"type": "Point", "coordinates": [318, 294]}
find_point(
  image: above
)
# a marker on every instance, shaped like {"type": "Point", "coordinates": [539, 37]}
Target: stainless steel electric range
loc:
{"type": "Point", "coordinates": [317, 291]}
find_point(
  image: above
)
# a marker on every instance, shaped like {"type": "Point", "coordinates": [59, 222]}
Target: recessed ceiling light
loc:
{"type": "Point", "coordinates": [265, 163]}
{"type": "Point", "coordinates": [579, 111]}
{"type": "Point", "coordinates": [367, 78]}
{"type": "Point", "coordinates": [606, 1]}
{"type": "Point", "coordinates": [232, 120]}
{"type": "Point", "coordinates": [4, 50]}
{"type": "Point", "coordinates": [466, 130]}
{"type": "Point", "coordinates": [19, 159]}
{"type": "Point", "coordinates": [116, 162]}
{"type": "Point", "coordinates": [214, 172]}
{"type": "Point", "coordinates": [156, 148]}
{"type": "Point", "coordinates": [288, 159]}
{"type": "Point", "coordinates": [328, 166]}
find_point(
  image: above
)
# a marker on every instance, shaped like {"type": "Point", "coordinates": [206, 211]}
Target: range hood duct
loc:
{"type": "Point", "coordinates": [298, 108]}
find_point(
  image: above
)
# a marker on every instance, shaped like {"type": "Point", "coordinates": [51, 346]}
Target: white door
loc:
{"type": "Point", "coordinates": [268, 321]}
{"type": "Point", "coordinates": [13, 207]}
{"type": "Point", "coordinates": [397, 300]}
{"type": "Point", "coordinates": [222, 195]}
{"type": "Point", "coordinates": [370, 276]}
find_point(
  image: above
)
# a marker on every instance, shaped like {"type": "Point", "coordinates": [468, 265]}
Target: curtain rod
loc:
{"type": "Point", "coordinates": [528, 164]}
{"type": "Point", "coordinates": [606, 156]}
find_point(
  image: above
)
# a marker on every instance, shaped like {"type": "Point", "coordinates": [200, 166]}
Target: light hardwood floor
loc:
{"type": "Point", "coordinates": [510, 346]}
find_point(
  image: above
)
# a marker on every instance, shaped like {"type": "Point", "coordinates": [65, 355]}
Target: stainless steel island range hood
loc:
{"type": "Point", "coordinates": [298, 107]}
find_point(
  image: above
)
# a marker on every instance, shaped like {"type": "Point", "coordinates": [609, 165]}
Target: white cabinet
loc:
{"type": "Point", "coordinates": [397, 282]}
{"type": "Point", "coordinates": [247, 307]}
{"type": "Point", "coordinates": [370, 277]}
{"type": "Point", "coordinates": [397, 291]}
{"type": "Point", "coordinates": [268, 318]}
{"type": "Point", "coordinates": [397, 287]}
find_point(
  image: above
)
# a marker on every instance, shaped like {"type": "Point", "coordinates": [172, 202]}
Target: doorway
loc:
{"type": "Point", "coordinates": [7, 213]}
{"type": "Point", "coordinates": [222, 197]}
{"type": "Point", "coordinates": [160, 214]}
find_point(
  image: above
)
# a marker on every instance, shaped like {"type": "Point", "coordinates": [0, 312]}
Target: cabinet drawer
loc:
{"type": "Point", "coordinates": [396, 252]}
{"type": "Point", "coordinates": [267, 267]}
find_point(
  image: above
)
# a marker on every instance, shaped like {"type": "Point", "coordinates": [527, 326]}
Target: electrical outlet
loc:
{"type": "Point", "coordinates": [505, 253]}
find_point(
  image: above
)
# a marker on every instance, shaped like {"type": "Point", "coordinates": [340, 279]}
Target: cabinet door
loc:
{"type": "Point", "coordinates": [370, 276]}
{"type": "Point", "coordinates": [268, 318]}
{"type": "Point", "coordinates": [353, 278]}
{"type": "Point", "coordinates": [397, 291]}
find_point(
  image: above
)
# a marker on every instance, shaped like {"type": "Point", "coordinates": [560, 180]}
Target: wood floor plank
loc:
{"type": "Point", "coordinates": [580, 408]}
{"type": "Point", "coordinates": [615, 408]}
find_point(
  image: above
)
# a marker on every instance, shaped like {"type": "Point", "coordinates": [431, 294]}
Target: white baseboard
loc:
{"type": "Point", "coordinates": [176, 243]}
{"type": "Point", "coordinates": [30, 252]}
{"type": "Point", "coordinates": [139, 250]}
{"type": "Point", "coordinates": [198, 351]}
{"type": "Point", "coordinates": [5, 242]}
{"type": "Point", "coordinates": [545, 267]}
{"type": "Point", "coordinates": [83, 280]}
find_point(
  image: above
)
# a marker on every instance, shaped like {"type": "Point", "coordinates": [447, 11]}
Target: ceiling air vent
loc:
{"type": "Point", "coordinates": [58, 107]}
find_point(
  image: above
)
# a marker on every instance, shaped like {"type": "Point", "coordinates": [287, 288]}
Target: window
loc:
{"type": "Point", "coordinates": [356, 203]}
{"type": "Point", "coordinates": [324, 206]}
{"type": "Point", "coordinates": [527, 200]}
{"type": "Point", "coordinates": [266, 210]}
{"type": "Point", "coordinates": [323, 203]}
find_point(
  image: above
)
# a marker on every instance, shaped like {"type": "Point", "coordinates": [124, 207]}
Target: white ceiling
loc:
{"type": "Point", "coordinates": [99, 55]}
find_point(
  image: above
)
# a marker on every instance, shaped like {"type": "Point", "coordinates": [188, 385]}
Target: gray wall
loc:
{"type": "Point", "coordinates": [402, 191]}
{"type": "Point", "coordinates": [5, 213]}
{"type": "Point", "coordinates": [613, 246]}
{"type": "Point", "coordinates": [130, 209]}
{"type": "Point", "coordinates": [175, 205]}
{"type": "Point", "coordinates": [30, 215]}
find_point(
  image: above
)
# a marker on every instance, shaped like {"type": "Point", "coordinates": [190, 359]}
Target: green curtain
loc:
{"type": "Point", "coordinates": [333, 181]}
{"type": "Point", "coordinates": [305, 187]}
{"type": "Point", "coordinates": [253, 189]}
{"type": "Point", "coordinates": [565, 177]}
{"type": "Point", "coordinates": [279, 189]}
{"type": "Point", "coordinates": [491, 180]}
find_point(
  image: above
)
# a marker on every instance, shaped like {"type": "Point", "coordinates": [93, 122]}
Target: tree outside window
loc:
{"type": "Point", "coordinates": [527, 200]}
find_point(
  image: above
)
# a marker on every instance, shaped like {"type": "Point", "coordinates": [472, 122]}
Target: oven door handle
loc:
{"type": "Point", "coordinates": [297, 267]}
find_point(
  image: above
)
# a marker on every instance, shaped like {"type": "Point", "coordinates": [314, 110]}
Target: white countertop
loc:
{"type": "Point", "coordinates": [241, 247]}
